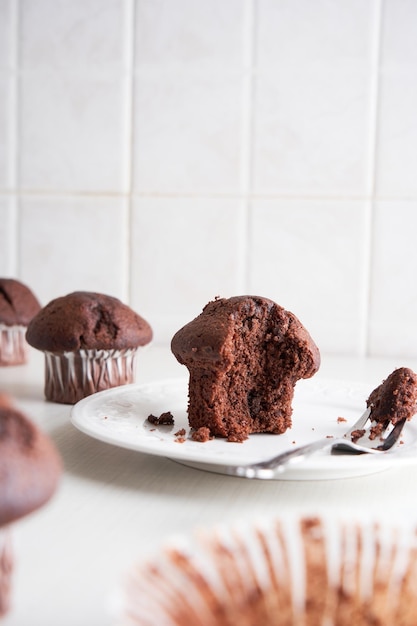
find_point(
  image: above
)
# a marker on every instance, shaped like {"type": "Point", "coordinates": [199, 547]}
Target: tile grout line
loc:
{"type": "Point", "coordinates": [128, 104]}
{"type": "Point", "coordinates": [248, 31]}
{"type": "Point", "coordinates": [373, 145]}
{"type": "Point", "coordinates": [263, 196]}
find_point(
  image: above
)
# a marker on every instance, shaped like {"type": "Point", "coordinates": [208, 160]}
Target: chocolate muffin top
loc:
{"type": "Point", "coordinates": [30, 465]}
{"type": "Point", "coordinates": [85, 320]}
{"type": "Point", "coordinates": [18, 304]}
{"type": "Point", "coordinates": [208, 339]}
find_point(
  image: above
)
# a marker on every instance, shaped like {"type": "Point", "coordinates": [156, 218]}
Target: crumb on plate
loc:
{"type": "Point", "coordinates": [201, 435]}
{"type": "Point", "coordinates": [165, 419]}
{"type": "Point", "coordinates": [180, 436]}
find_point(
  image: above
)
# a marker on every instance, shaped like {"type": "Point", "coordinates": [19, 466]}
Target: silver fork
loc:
{"type": "Point", "coordinates": [359, 445]}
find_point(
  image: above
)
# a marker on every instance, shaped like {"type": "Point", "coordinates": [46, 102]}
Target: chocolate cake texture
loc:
{"type": "Point", "coordinates": [244, 355]}
{"type": "Point", "coordinates": [395, 398]}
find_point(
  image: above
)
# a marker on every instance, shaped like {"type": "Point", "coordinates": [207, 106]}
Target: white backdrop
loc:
{"type": "Point", "coordinates": [169, 151]}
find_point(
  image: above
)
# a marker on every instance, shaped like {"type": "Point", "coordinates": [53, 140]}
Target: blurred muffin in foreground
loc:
{"type": "Point", "coordinates": [18, 305]}
{"type": "Point", "coordinates": [279, 572]}
{"type": "Point", "coordinates": [90, 341]}
{"type": "Point", "coordinates": [30, 468]}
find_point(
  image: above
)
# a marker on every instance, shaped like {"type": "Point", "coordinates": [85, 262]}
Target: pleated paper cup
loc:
{"type": "Point", "coordinates": [13, 347]}
{"type": "Point", "coordinates": [279, 572]}
{"type": "Point", "coordinates": [71, 376]}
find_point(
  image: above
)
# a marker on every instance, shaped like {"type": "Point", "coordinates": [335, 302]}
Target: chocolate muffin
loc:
{"type": "Point", "coordinates": [245, 355]}
{"type": "Point", "coordinates": [30, 468]}
{"type": "Point", "coordinates": [17, 307]}
{"type": "Point", "coordinates": [90, 341]}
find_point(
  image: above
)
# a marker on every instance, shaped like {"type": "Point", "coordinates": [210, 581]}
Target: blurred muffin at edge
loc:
{"type": "Point", "coordinates": [18, 305]}
{"type": "Point", "coordinates": [30, 468]}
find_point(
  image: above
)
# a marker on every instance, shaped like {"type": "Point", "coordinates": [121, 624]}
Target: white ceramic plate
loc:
{"type": "Point", "coordinates": [119, 416]}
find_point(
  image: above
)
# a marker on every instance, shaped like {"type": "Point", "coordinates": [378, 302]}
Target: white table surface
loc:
{"type": "Point", "coordinates": [114, 506]}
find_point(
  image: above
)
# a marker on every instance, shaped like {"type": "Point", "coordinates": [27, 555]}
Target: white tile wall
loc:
{"type": "Point", "coordinates": [189, 35]}
{"type": "Point", "coordinates": [314, 262]}
{"type": "Point", "coordinates": [168, 152]}
{"type": "Point", "coordinates": [300, 35]}
{"type": "Point", "coordinates": [71, 132]}
{"type": "Point", "coordinates": [311, 133]}
{"type": "Point", "coordinates": [191, 140]}
{"type": "Point", "coordinates": [394, 297]}
{"type": "Point", "coordinates": [7, 236]}
{"type": "Point", "coordinates": [72, 34]}
{"type": "Point", "coordinates": [396, 176]}
{"type": "Point", "coordinates": [73, 242]}
{"type": "Point", "coordinates": [399, 48]}
{"type": "Point", "coordinates": [185, 252]}
{"type": "Point", "coordinates": [6, 34]}
{"type": "Point", "coordinates": [7, 162]}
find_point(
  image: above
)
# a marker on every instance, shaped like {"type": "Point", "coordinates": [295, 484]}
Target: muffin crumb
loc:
{"type": "Point", "coordinates": [357, 434]}
{"type": "Point", "coordinates": [180, 436]}
{"type": "Point", "coordinates": [165, 419]}
{"type": "Point", "coordinates": [201, 435]}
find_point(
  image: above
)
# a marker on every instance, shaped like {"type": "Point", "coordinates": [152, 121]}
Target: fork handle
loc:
{"type": "Point", "coordinates": [269, 468]}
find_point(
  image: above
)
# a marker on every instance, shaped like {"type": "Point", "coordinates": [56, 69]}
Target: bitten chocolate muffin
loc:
{"type": "Point", "coordinates": [30, 468]}
{"type": "Point", "coordinates": [18, 305]}
{"type": "Point", "coordinates": [245, 355]}
{"type": "Point", "coordinates": [90, 341]}
{"type": "Point", "coordinates": [394, 399]}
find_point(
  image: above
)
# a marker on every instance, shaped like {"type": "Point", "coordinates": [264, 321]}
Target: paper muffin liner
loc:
{"type": "Point", "coordinates": [71, 376]}
{"type": "Point", "coordinates": [13, 346]}
{"type": "Point", "coordinates": [6, 567]}
{"type": "Point", "coordinates": [281, 572]}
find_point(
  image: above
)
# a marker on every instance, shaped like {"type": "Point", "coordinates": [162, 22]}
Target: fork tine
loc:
{"type": "Point", "coordinates": [358, 425]}
{"type": "Point", "coordinates": [393, 436]}
{"type": "Point", "coordinates": [272, 467]}
{"type": "Point", "coordinates": [367, 439]}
